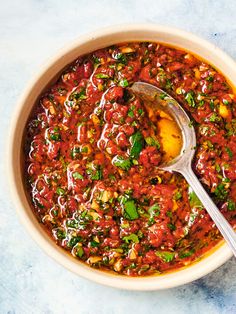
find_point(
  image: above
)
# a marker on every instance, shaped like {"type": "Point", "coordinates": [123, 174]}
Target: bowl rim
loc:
{"type": "Point", "coordinates": [182, 276]}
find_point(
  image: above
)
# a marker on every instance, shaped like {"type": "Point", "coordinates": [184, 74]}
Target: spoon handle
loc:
{"type": "Point", "coordinates": [222, 224]}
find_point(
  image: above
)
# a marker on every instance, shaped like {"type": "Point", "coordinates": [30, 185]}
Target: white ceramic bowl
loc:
{"type": "Point", "coordinates": [48, 73]}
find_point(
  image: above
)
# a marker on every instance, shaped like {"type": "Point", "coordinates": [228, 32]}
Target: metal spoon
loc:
{"type": "Point", "coordinates": [182, 163]}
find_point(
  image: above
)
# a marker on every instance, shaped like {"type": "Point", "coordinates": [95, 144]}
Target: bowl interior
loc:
{"type": "Point", "coordinates": [48, 74]}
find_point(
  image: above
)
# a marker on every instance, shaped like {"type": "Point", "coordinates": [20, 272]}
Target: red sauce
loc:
{"type": "Point", "coordinates": [92, 152]}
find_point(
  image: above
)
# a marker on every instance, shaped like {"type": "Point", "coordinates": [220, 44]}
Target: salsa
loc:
{"type": "Point", "coordinates": [92, 149]}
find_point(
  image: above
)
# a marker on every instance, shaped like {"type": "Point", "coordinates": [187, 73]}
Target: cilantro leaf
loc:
{"type": "Point", "coordinates": [165, 255]}
{"type": "Point", "coordinates": [137, 143]}
{"type": "Point", "coordinates": [132, 237]}
{"type": "Point", "coordinates": [190, 100]}
{"type": "Point", "coordinates": [121, 162]}
{"type": "Point", "coordinates": [77, 175]}
{"type": "Point", "coordinates": [194, 200]}
{"type": "Point", "coordinates": [130, 209]}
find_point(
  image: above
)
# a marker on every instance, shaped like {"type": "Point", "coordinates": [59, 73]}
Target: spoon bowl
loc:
{"type": "Point", "coordinates": [168, 104]}
{"type": "Point", "coordinates": [183, 162]}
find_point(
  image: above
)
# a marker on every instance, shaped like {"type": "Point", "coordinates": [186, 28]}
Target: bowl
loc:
{"type": "Point", "coordinates": [48, 73]}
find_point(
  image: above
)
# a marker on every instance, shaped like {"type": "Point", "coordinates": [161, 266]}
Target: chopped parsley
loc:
{"type": "Point", "coordinates": [131, 238]}
{"type": "Point", "coordinates": [165, 256]}
{"type": "Point", "coordinates": [194, 200]}
{"type": "Point", "coordinates": [102, 76]}
{"type": "Point", "coordinates": [190, 99]}
{"type": "Point", "coordinates": [229, 152]}
{"type": "Point", "coordinates": [150, 141]}
{"type": "Point", "coordinates": [60, 191]}
{"type": "Point", "coordinates": [221, 192]}
{"type": "Point", "coordinates": [137, 143]}
{"type": "Point", "coordinates": [185, 254]}
{"type": "Point", "coordinates": [121, 162]}
{"type": "Point", "coordinates": [130, 209]}
{"type": "Point", "coordinates": [178, 195]}
{"type": "Point", "coordinates": [77, 175]}
{"type": "Point", "coordinates": [231, 205]}
{"type": "Point", "coordinates": [124, 83]}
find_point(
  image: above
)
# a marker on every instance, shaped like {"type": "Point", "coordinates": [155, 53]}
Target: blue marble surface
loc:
{"type": "Point", "coordinates": [30, 32]}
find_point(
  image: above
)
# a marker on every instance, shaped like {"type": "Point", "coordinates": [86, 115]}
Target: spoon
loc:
{"type": "Point", "coordinates": [182, 163]}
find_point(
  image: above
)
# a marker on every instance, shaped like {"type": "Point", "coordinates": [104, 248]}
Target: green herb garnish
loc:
{"type": "Point", "coordinates": [229, 152]}
{"type": "Point", "coordinates": [121, 57]}
{"type": "Point", "coordinates": [73, 241]}
{"type": "Point", "coordinates": [165, 256]}
{"type": "Point", "coordinates": [231, 205]}
{"type": "Point", "coordinates": [220, 192]}
{"type": "Point", "coordinates": [185, 254]}
{"type": "Point", "coordinates": [137, 143]}
{"type": "Point", "coordinates": [61, 234]}
{"type": "Point", "coordinates": [190, 100]}
{"type": "Point", "coordinates": [178, 195]}
{"type": "Point", "coordinates": [121, 162]}
{"type": "Point", "coordinates": [214, 117]}
{"type": "Point", "coordinates": [132, 237]}
{"type": "Point", "coordinates": [102, 76]}
{"type": "Point", "coordinates": [194, 200]}
{"type": "Point", "coordinates": [94, 243]}
{"type": "Point", "coordinates": [77, 175]}
{"type": "Point", "coordinates": [72, 223]}
{"type": "Point", "coordinates": [55, 137]}
{"type": "Point", "coordinates": [217, 167]}
{"type": "Point", "coordinates": [79, 95]}
{"type": "Point", "coordinates": [124, 83]}
{"type": "Point", "coordinates": [79, 251]}
{"type": "Point", "coordinates": [130, 209]}
{"type": "Point", "coordinates": [60, 191]}
{"type": "Point", "coordinates": [152, 142]}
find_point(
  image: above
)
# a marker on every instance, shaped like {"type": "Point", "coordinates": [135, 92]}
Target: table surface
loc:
{"type": "Point", "coordinates": [30, 32]}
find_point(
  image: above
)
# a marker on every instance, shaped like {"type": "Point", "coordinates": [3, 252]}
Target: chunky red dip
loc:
{"type": "Point", "coordinates": [92, 151]}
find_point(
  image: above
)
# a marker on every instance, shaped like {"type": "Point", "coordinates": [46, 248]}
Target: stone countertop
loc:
{"type": "Point", "coordinates": [30, 32]}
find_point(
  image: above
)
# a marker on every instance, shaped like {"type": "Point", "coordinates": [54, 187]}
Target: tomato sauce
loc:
{"type": "Point", "coordinates": [92, 150]}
